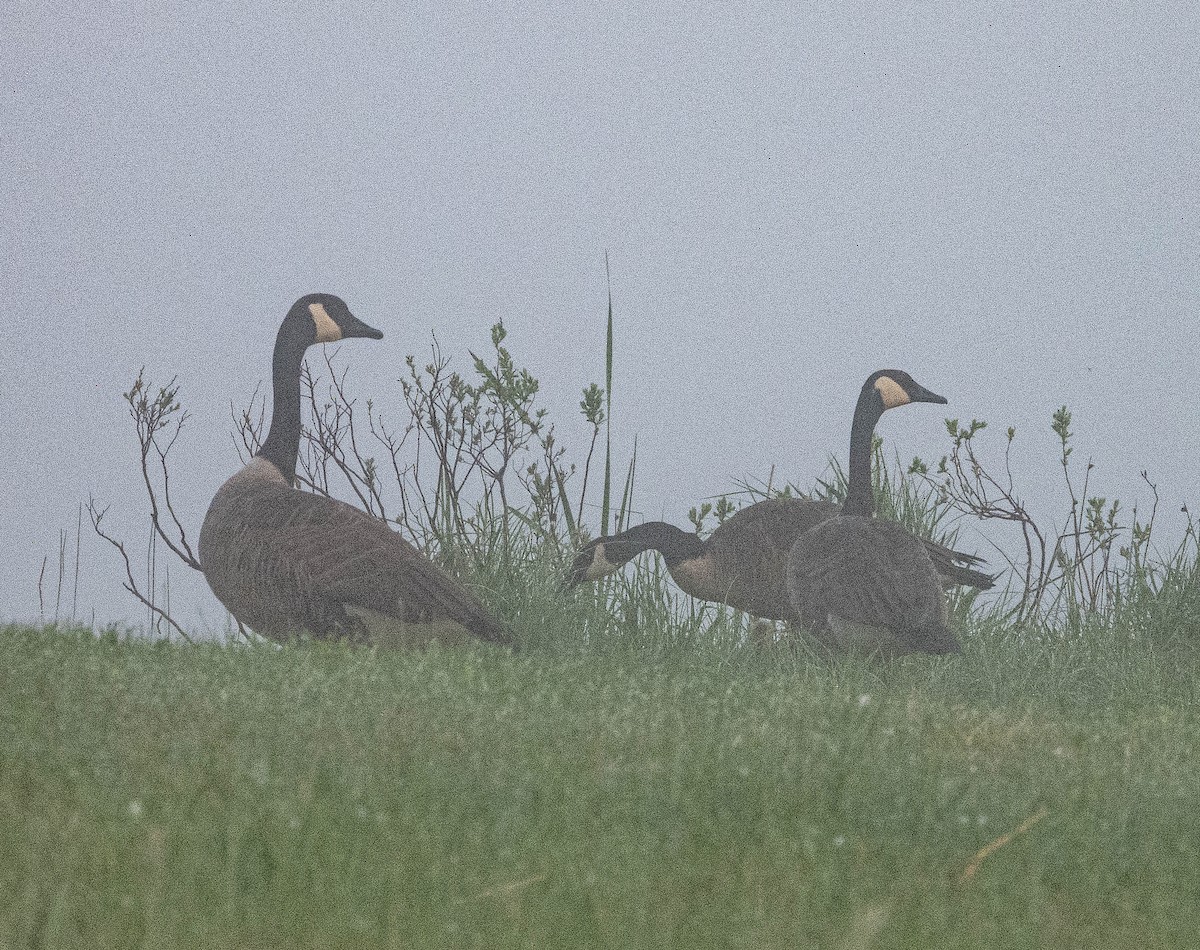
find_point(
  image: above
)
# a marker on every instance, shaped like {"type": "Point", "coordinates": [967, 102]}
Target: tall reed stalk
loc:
{"type": "Point", "coordinates": [608, 383]}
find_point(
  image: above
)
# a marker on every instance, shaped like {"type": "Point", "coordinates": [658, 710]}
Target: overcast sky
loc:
{"type": "Point", "coordinates": [1001, 199]}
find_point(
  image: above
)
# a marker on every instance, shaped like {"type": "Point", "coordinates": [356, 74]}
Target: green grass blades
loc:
{"type": "Point", "coordinates": [175, 796]}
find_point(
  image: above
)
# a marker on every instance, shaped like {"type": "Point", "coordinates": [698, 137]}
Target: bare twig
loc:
{"type": "Point", "coordinates": [78, 546]}
{"type": "Point", "coordinates": [41, 598]}
{"type": "Point", "coordinates": [248, 425]}
{"type": "Point", "coordinates": [152, 416]}
{"type": "Point", "coordinates": [62, 569]}
{"type": "Point", "coordinates": [97, 517]}
{"type": "Point", "coordinates": [992, 847]}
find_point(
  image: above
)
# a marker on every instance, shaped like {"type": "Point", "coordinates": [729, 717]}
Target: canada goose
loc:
{"type": "Point", "coordinates": [863, 584]}
{"type": "Point", "coordinates": [743, 563]}
{"type": "Point", "coordinates": [286, 562]}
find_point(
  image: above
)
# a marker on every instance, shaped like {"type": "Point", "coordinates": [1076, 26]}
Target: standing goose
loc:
{"type": "Point", "coordinates": [743, 563]}
{"type": "Point", "coordinates": [863, 584]}
{"type": "Point", "coordinates": [286, 562]}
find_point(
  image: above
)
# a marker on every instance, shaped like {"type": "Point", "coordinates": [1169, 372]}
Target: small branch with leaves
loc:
{"type": "Point", "coordinates": [448, 477]}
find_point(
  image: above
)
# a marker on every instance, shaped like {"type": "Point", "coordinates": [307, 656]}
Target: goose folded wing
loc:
{"type": "Point", "coordinates": [873, 573]}
{"type": "Point", "coordinates": [339, 553]}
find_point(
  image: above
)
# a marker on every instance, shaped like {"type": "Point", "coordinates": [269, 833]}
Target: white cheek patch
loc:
{"type": "Point", "coordinates": [600, 566]}
{"type": "Point", "coordinates": [892, 392]}
{"type": "Point", "coordinates": [327, 330]}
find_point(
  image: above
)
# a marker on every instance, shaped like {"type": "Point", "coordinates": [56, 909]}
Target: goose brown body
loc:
{"type": "Point", "coordinates": [869, 586]}
{"type": "Point", "coordinates": [286, 562]}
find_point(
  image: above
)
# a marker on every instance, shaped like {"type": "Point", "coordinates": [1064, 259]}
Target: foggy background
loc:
{"type": "Point", "coordinates": [1001, 199]}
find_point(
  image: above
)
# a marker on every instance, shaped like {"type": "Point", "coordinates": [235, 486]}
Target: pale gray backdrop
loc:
{"type": "Point", "coordinates": [1000, 198]}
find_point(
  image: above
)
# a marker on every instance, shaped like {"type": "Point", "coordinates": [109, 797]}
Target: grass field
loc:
{"type": "Point", "coordinates": [166, 796]}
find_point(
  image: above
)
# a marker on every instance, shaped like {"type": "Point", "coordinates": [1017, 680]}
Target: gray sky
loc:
{"type": "Point", "coordinates": [1001, 199]}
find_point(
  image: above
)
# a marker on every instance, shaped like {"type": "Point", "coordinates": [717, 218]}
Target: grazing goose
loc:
{"type": "Point", "coordinates": [861, 584]}
{"type": "Point", "coordinates": [743, 563]}
{"type": "Point", "coordinates": [286, 562]}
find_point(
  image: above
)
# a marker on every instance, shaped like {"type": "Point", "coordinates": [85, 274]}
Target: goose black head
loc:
{"type": "Point", "coordinates": [329, 319]}
{"type": "Point", "coordinates": [896, 388]}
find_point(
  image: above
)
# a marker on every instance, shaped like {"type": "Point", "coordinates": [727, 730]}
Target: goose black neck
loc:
{"type": "Point", "coordinates": [673, 543]}
{"type": "Point", "coordinates": [860, 494]}
{"type": "Point", "coordinates": [282, 443]}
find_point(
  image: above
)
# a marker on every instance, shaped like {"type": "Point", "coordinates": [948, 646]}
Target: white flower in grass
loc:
{"type": "Point", "coordinates": [982, 819]}
{"type": "Point", "coordinates": [260, 773]}
{"type": "Point", "coordinates": [864, 699]}
{"type": "Point", "coordinates": [136, 808]}
{"type": "Point", "coordinates": [839, 840]}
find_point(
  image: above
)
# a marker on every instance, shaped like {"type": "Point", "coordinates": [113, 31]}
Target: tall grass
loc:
{"type": "Point", "coordinates": [608, 383]}
{"type": "Point", "coordinates": [201, 796]}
